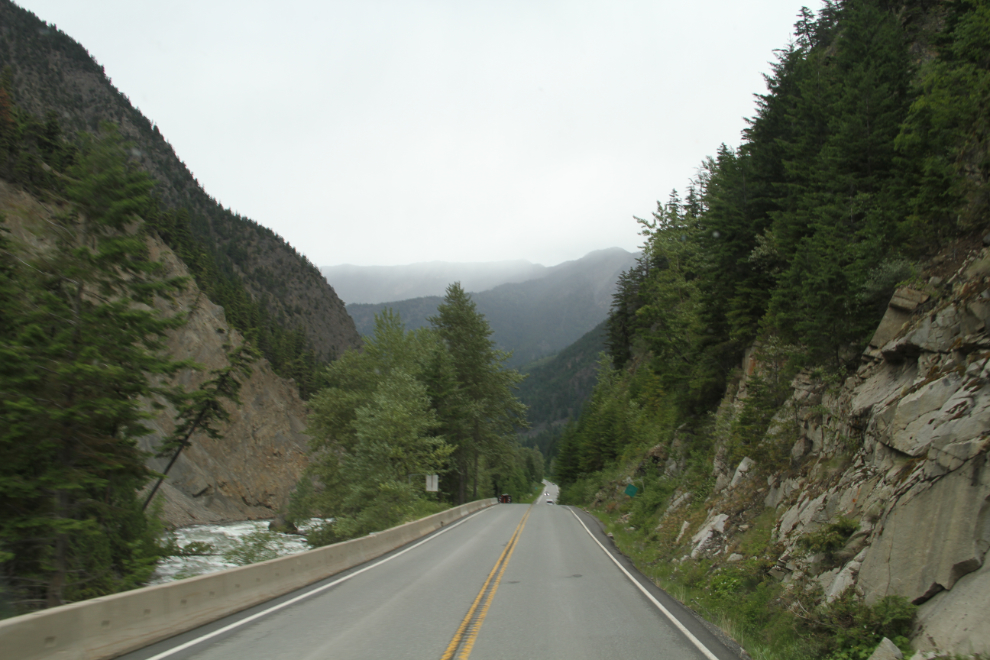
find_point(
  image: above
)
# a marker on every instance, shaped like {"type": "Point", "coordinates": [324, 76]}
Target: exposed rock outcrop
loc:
{"type": "Point", "coordinates": [249, 471]}
{"type": "Point", "coordinates": [886, 650]}
{"type": "Point", "coordinates": [897, 453]}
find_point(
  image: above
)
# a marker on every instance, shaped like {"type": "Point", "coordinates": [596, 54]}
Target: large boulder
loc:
{"type": "Point", "coordinates": [937, 532]}
{"type": "Point", "coordinates": [899, 309]}
{"type": "Point", "coordinates": [957, 621]}
{"type": "Point", "coordinates": [886, 650]}
{"type": "Point", "coordinates": [709, 535]}
{"type": "Point", "coordinates": [934, 334]}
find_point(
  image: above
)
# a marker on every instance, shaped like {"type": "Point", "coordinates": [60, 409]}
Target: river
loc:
{"type": "Point", "coordinates": [227, 540]}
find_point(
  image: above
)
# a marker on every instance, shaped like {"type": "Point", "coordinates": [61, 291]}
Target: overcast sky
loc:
{"type": "Point", "coordinates": [385, 132]}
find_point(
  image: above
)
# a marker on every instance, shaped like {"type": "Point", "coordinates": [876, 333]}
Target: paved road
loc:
{"type": "Point", "coordinates": [512, 581]}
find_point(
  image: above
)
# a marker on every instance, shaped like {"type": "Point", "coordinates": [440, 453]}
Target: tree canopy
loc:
{"type": "Point", "coordinates": [861, 159]}
{"type": "Point", "coordinates": [412, 403]}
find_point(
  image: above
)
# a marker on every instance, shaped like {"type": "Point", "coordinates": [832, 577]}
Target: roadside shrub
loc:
{"type": "Point", "coordinates": [652, 498]}
{"type": "Point", "coordinates": [581, 491]}
{"type": "Point", "coordinates": [850, 629]}
{"type": "Point", "coordinates": [394, 503]}
{"type": "Point", "coordinates": [829, 538]}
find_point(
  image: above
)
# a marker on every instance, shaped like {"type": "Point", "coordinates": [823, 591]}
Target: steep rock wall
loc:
{"type": "Point", "coordinates": [249, 472]}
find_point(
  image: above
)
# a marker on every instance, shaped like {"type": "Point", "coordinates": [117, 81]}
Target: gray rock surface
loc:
{"type": "Point", "coordinates": [958, 621]}
{"type": "Point", "coordinates": [706, 537]}
{"type": "Point", "coordinates": [904, 301]}
{"type": "Point", "coordinates": [916, 418]}
{"type": "Point", "coordinates": [250, 470]}
{"type": "Point", "coordinates": [886, 650]}
{"type": "Point", "coordinates": [745, 465]}
{"type": "Point", "coordinates": [937, 533]}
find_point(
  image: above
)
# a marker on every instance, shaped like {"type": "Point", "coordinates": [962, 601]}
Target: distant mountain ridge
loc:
{"type": "Point", "coordinates": [534, 318]}
{"type": "Point", "coordinates": [379, 284]}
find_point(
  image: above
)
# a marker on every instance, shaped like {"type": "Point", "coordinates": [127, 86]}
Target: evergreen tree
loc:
{"type": "Point", "coordinates": [81, 343]}
{"type": "Point", "coordinates": [488, 412]}
{"type": "Point", "coordinates": [945, 140]}
{"type": "Point", "coordinates": [842, 211]}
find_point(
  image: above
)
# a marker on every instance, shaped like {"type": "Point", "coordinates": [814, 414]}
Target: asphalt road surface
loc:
{"type": "Point", "coordinates": [513, 581]}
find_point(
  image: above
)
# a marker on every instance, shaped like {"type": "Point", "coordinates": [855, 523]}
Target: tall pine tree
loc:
{"type": "Point", "coordinates": [81, 343]}
{"type": "Point", "coordinates": [481, 426]}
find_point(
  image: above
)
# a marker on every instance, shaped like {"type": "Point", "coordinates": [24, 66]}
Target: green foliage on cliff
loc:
{"type": "Point", "coordinates": [858, 161]}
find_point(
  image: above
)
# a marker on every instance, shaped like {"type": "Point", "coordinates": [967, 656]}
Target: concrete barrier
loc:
{"type": "Point", "coordinates": [113, 625]}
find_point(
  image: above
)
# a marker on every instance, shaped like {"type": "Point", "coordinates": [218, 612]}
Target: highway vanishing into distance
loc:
{"type": "Point", "coordinates": [512, 581]}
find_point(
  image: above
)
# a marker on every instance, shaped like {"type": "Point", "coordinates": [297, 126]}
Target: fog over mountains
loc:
{"type": "Point", "coordinates": [532, 318]}
{"type": "Point", "coordinates": [379, 284]}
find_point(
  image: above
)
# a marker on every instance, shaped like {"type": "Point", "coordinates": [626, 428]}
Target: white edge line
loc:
{"type": "Point", "coordinates": [237, 624]}
{"type": "Point", "coordinates": [680, 626]}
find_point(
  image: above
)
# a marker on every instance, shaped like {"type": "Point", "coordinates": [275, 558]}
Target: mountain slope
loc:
{"type": "Point", "coordinates": [555, 387]}
{"type": "Point", "coordinates": [535, 318]}
{"type": "Point", "coordinates": [249, 470]}
{"type": "Point", "coordinates": [52, 72]}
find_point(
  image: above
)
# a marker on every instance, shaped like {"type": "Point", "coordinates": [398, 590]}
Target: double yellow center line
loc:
{"type": "Point", "coordinates": [467, 632]}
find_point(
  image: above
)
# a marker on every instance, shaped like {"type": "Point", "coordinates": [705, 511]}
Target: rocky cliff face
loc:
{"type": "Point", "coordinates": [248, 472]}
{"type": "Point", "coordinates": [917, 413]}
{"type": "Point", "coordinates": [897, 454]}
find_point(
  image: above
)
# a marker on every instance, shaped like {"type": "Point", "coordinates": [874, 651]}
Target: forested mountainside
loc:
{"type": "Point", "coordinates": [791, 432]}
{"type": "Point", "coordinates": [556, 387]}
{"type": "Point", "coordinates": [533, 318]}
{"type": "Point", "coordinates": [379, 284]}
{"type": "Point", "coordinates": [266, 287]}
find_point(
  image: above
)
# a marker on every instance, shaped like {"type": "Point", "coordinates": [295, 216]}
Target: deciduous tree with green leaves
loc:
{"type": "Point", "coordinates": [373, 432]}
